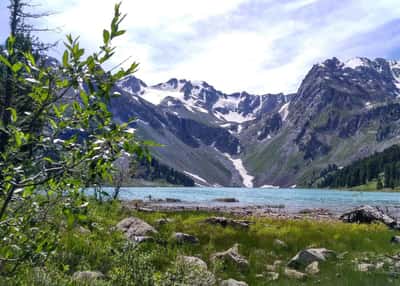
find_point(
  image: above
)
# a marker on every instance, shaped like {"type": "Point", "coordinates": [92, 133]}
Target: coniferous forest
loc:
{"type": "Point", "coordinates": [382, 167]}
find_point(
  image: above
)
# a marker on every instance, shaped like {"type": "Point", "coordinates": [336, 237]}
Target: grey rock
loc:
{"type": "Point", "coordinates": [184, 238]}
{"type": "Point", "coordinates": [379, 265]}
{"type": "Point", "coordinates": [134, 227]}
{"type": "Point", "coordinates": [369, 214]}
{"type": "Point", "coordinates": [280, 243]}
{"type": "Point", "coordinates": [87, 275]}
{"type": "Point", "coordinates": [365, 267]}
{"type": "Point", "coordinates": [232, 255]}
{"type": "Point", "coordinates": [312, 268]}
{"type": "Point", "coordinates": [294, 274]}
{"type": "Point", "coordinates": [395, 239]}
{"type": "Point", "coordinates": [272, 276]}
{"type": "Point", "coordinates": [141, 239]}
{"type": "Point", "coordinates": [223, 221]}
{"type": "Point", "coordinates": [172, 200]}
{"type": "Point", "coordinates": [233, 282]}
{"type": "Point", "coordinates": [307, 256]}
{"type": "Point", "coordinates": [193, 261]}
{"type": "Point", "coordinates": [226, 200]}
{"type": "Point", "coordinates": [163, 221]}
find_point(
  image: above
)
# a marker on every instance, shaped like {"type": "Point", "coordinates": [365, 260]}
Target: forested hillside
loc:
{"type": "Point", "coordinates": [154, 170]}
{"type": "Point", "coordinates": [382, 167]}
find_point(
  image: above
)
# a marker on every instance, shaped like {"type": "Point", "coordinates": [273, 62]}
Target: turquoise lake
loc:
{"type": "Point", "coordinates": [292, 199]}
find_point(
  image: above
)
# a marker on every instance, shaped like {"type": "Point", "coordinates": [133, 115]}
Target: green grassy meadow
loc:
{"type": "Point", "coordinates": [98, 246]}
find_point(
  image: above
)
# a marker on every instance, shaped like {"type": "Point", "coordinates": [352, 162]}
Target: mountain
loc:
{"type": "Point", "coordinates": [342, 111]}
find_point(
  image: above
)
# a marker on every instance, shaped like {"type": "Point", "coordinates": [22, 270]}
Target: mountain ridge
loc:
{"type": "Point", "coordinates": [340, 113]}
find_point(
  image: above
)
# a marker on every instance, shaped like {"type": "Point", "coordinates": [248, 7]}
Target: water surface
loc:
{"type": "Point", "coordinates": [292, 199]}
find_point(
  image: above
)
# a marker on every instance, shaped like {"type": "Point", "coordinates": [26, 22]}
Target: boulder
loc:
{"type": "Point", "coordinates": [231, 255]}
{"type": "Point", "coordinates": [192, 271]}
{"type": "Point", "coordinates": [223, 221]}
{"type": "Point", "coordinates": [395, 239]}
{"type": "Point", "coordinates": [87, 275]}
{"type": "Point", "coordinates": [226, 200]}
{"type": "Point", "coordinates": [233, 282]}
{"type": "Point", "coordinates": [172, 200]}
{"type": "Point", "coordinates": [181, 237]}
{"type": "Point", "coordinates": [369, 214]}
{"type": "Point", "coordinates": [365, 267]}
{"type": "Point", "coordinates": [379, 265]}
{"type": "Point", "coordinates": [307, 256]}
{"type": "Point", "coordinates": [141, 239]}
{"type": "Point", "coordinates": [163, 221]}
{"type": "Point", "coordinates": [272, 276]}
{"type": "Point", "coordinates": [294, 274]}
{"type": "Point", "coordinates": [313, 268]}
{"type": "Point", "coordinates": [279, 243]}
{"type": "Point", "coordinates": [135, 229]}
{"type": "Point", "coordinates": [274, 267]}
{"type": "Point", "coordinates": [193, 261]}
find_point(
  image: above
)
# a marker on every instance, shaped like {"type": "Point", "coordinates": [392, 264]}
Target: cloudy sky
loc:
{"type": "Point", "coordinates": [255, 45]}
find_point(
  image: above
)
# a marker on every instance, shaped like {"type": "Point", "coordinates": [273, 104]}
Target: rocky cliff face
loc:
{"type": "Point", "coordinates": [342, 111]}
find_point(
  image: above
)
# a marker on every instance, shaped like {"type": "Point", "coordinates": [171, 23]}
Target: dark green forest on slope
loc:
{"type": "Point", "coordinates": [381, 167]}
{"type": "Point", "coordinates": [154, 170]}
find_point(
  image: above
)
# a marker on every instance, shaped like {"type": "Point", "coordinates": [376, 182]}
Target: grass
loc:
{"type": "Point", "coordinates": [371, 187]}
{"type": "Point", "coordinates": [104, 249]}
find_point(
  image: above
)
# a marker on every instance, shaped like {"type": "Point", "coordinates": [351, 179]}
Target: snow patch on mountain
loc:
{"type": "Point", "coordinates": [238, 164]}
{"type": "Point", "coordinates": [196, 177]}
{"type": "Point", "coordinates": [156, 96]}
{"type": "Point", "coordinates": [234, 116]}
{"type": "Point", "coordinates": [284, 111]}
{"type": "Point", "coordinates": [356, 63]}
{"type": "Point", "coordinates": [395, 67]}
{"type": "Point", "coordinates": [269, 187]}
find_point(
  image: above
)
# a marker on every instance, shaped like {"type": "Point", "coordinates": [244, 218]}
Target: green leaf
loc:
{"type": "Point", "coordinates": [84, 97]}
{"type": "Point", "coordinates": [28, 191]}
{"type": "Point", "coordinates": [5, 61]}
{"type": "Point", "coordinates": [18, 139]}
{"type": "Point", "coordinates": [17, 67]}
{"type": "Point", "coordinates": [106, 36]}
{"type": "Point", "coordinates": [53, 124]}
{"type": "Point", "coordinates": [13, 112]}
{"type": "Point", "coordinates": [30, 58]}
{"type": "Point", "coordinates": [65, 58]}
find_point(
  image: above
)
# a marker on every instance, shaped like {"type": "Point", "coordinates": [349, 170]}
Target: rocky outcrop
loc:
{"type": "Point", "coordinates": [231, 255]}
{"type": "Point", "coordinates": [307, 256]}
{"type": "Point", "coordinates": [136, 229]}
{"type": "Point", "coordinates": [369, 214]}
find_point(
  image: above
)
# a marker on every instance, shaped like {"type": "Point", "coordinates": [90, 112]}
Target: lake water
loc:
{"type": "Point", "coordinates": [292, 199]}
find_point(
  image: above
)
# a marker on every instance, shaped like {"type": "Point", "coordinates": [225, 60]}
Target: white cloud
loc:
{"type": "Point", "coordinates": [254, 45]}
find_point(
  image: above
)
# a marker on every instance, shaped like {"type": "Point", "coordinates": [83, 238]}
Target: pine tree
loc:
{"type": "Point", "coordinates": [379, 184]}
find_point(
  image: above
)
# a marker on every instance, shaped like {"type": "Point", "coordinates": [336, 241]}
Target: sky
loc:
{"type": "Point", "coordinates": [258, 46]}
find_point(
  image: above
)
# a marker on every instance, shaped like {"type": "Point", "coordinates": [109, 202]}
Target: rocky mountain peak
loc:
{"type": "Point", "coordinates": [132, 84]}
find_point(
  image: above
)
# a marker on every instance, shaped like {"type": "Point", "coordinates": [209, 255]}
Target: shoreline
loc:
{"type": "Point", "coordinates": [255, 211]}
